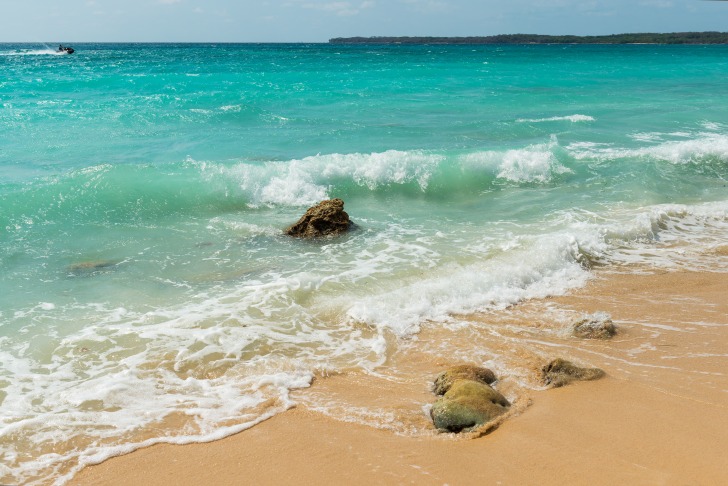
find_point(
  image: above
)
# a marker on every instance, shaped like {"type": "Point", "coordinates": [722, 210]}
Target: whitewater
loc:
{"type": "Point", "coordinates": [148, 293]}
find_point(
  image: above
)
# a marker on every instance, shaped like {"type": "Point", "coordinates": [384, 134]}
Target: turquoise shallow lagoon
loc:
{"type": "Point", "coordinates": [144, 189]}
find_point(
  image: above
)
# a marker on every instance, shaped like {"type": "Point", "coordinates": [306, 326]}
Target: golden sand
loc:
{"type": "Point", "coordinates": [659, 417]}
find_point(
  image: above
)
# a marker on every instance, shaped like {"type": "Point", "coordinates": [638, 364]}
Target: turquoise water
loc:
{"type": "Point", "coordinates": [144, 190]}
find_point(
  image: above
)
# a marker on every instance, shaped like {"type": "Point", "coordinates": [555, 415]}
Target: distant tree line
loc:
{"type": "Point", "coordinates": [645, 38]}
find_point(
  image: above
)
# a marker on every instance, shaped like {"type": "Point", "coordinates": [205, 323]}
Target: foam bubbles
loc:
{"type": "Point", "coordinates": [570, 118]}
{"type": "Point", "coordinates": [666, 236]}
{"type": "Point", "coordinates": [713, 126]}
{"type": "Point", "coordinates": [529, 166]}
{"type": "Point", "coordinates": [295, 187]}
{"type": "Point", "coordinates": [33, 52]}
{"type": "Point", "coordinates": [307, 181]}
{"type": "Point", "coordinates": [535, 164]}
{"type": "Point", "coordinates": [681, 152]}
{"type": "Point", "coordinates": [534, 268]}
{"type": "Point", "coordinates": [694, 150]}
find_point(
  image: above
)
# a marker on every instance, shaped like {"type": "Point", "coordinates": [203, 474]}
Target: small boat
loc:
{"type": "Point", "coordinates": [67, 50]}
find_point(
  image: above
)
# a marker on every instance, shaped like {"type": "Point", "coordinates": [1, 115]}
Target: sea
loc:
{"type": "Point", "coordinates": [148, 292]}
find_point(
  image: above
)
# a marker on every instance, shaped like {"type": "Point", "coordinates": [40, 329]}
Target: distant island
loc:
{"type": "Point", "coordinates": [644, 38]}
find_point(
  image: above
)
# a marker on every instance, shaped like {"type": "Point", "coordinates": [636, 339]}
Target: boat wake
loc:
{"type": "Point", "coordinates": [33, 52]}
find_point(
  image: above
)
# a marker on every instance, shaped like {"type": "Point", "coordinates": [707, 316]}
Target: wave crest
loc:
{"type": "Point", "coordinates": [695, 150]}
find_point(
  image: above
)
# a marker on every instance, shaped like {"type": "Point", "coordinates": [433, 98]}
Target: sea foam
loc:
{"type": "Point", "coordinates": [570, 118]}
{"type": "Point", "coordinates": [694, 150]}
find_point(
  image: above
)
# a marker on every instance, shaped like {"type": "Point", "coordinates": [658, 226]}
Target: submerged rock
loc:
{"type": "Point", "coordinates": [598, 326]}
{"type": "Point", "coordinates": [560, 372]}
{"type": "Point", "coordinates": [467, 404]}
{"type": "Point", "coordinates": [444, 380]}
{"type": "Point", "coordinates": [81, 268]}
{"type": "Point", "coordinates": [327, 218]}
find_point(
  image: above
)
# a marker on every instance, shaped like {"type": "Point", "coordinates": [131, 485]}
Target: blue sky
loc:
{"type": "Point", "coordinates": [318, 20]}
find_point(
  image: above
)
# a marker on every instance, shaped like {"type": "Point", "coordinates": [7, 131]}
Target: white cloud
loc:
{"type": "Point", "coordinates": [169, 2]}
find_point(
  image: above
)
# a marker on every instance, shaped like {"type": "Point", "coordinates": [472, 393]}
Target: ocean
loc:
{"type": "Point", "coordinates": [148, 293]}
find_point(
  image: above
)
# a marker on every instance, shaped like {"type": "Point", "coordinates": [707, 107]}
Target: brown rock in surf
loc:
{"type": "Point", "coordinates": [595, 327]}
{"type": "Point", "coordinates": [560, 372]}
{"type": "Point", "coordinates": [466, 405]}
{"type": "Point", "coordinates": [327, 218]}
{"type": "Point", "coordinates": [444, 380]}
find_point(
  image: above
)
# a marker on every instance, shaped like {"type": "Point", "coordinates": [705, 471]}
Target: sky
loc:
{"type": "Point", "coordinates": [70, 21]}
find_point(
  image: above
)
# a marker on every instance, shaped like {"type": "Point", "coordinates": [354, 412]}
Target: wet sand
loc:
{"type": "Point", "coordinates": [659, 417]}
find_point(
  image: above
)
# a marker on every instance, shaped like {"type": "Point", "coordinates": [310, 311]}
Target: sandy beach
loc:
{"type": "Point", "coordinates": [659, 417]}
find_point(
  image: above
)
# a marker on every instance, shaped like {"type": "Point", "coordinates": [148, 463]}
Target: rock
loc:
{"type": "Point", "coordinates": [560, 372]}
{"type": "Point", "coordinates": [467, 404]}
{"type": "Point", "coordinates": [327, 218]}
{"type": "Point", "coordinates": [597, 326]}
{"type": "Point", "coordinates": [444, 380]}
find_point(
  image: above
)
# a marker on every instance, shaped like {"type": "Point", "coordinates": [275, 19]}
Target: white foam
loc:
{"type": "Point", "coordinates": [301, 182]}
{"type": "Point", "coordinates": [294, 187]}
{"type": "Point", "coordinates": [687, 151]}
{"type": "Point", "coordinates": [547, 266]}
{"type": "Point", "coordinates": [306, 181]}
{"type": "Point", "coordinates": [713, 126]}
{"type": "Point", "coordinates": [675, 151]}
{"type": "Point", "coordinates": [663, 236]}
{"type": "Point", "coordinates": [536, 163]}
{"type": "Point", "coordinates": [101, 377]}
{"type": "Point", "coordinates": [33, 52]}
{"type": "Point", "coordinates": [586, 146]}
{"type": "Point", "coordinates": [571, 118]}
{"type": "Point", "coordinates": [228, 358]}
{"type": "Point", "coordinates": [530, 166]}
{"type": "Point", "coordinates": [647, 137]}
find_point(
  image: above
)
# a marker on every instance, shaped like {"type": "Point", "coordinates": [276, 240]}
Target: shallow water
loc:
{"type": "Point", "coordinates": [147, 292]}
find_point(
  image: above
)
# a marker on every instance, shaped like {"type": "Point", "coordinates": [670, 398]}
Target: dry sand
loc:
{"type": "Point", "coordinates": [659, 417]}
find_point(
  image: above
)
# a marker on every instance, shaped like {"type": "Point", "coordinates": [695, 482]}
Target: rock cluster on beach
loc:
{"type": "Point", "coordinates": [466, 399]}
{"type": "Point", "coordinates": [560, 372]}
{"type": "Point", "coordinates": [327, 218]}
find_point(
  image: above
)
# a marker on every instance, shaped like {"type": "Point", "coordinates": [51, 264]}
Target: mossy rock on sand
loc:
{"type": "Point", "coordinates": [327, 218]}
{"type": "Point", "coordinates": [560, 372]}
{"type": "Point", "coordinates": [467, 404]}
{"type": "Point", "coordinates": [444, 380]}
{"type": "Point", "coordinates": [595, 328]}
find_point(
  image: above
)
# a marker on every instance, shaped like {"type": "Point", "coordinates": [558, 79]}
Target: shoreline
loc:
{"type": "Point", "coordinates": [659, 417]}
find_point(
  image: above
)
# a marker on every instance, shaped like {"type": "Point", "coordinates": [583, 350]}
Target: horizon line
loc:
{"type": "Point", "coordinates": [357, 37]}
